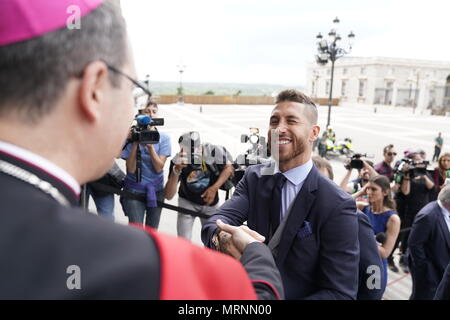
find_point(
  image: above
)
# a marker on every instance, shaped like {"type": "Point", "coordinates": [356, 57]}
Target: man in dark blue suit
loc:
{"type": "Point", "coordinates": [309, 222]}
{"type": "Point", "coordinates": [443, 291]}
{"type": "Point", "coordinates": [429, 245]}
{"type": "Point", "coordinates": [372, 282]}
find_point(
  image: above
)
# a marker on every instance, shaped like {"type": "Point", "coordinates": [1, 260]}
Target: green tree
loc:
{"type": "Point", "coordinates": [209, 93]}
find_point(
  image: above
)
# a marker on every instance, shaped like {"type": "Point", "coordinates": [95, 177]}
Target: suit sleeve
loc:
{"type": "Point", "coordinates": [258, 261]}
{"type": "Point", "coordinates": [234, 211]}
{"type": "Point", "coordinates": [339, 255]}
{"type": "Point", "coordinates": [443, 291]}
{"type": "Point", "coordinates": [419, 235]}
{"type": "Point", "coordinates": [369, 256]}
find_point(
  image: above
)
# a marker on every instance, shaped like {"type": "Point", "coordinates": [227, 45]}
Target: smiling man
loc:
{"type": "Point", "coordinates": [309, 223]}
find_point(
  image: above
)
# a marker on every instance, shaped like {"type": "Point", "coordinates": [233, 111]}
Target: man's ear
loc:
{"type": "Point", "coordinates": [92, 92]}
{"type": "Point", "coordinates": [315, 130]}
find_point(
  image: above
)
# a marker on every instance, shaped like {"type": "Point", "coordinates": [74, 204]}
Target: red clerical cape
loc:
{"type": "Point", "coordinates": [189, 272]}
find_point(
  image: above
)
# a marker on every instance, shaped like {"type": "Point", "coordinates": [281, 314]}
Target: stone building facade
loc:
{"type": "Point", "coordinates": [421, 84]}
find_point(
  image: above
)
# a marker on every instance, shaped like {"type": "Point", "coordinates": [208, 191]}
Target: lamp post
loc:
{"type": "Point", "coordinates": [181, 68]}
{"type": "Point", "coordinates": [329, 50]}
{"type": "Point", "coordinates": [147, 84]}
{"type": "Point", "coordinates": [314, 84]}
{"type": "Point", "coordinates": [147, 81]}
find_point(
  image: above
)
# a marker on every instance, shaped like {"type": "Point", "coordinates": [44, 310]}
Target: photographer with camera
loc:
{"type": "Point", "coordinates": [148, 176]}
{"type": "Point", "coordinates": [201, 169]}
{"type": "Point", "coordinates": [416, 185]}
{"type": "Point", "coordinates": [365, 171]}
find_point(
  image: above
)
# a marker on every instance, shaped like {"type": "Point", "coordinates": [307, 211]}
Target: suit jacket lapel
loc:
{"type": "Point", "coordinates": [300, 210]}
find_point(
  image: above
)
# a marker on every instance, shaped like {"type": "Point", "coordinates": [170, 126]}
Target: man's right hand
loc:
{"type": "Point", "coordinates": [233, 240]}
{"type": "Point", "coordinates": [180, 161]}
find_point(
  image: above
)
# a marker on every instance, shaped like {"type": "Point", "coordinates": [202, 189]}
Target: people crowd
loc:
{"type": "Point", "coordinates": [288, 231]}
{"type": "Point", "coordinates": [390, 194]}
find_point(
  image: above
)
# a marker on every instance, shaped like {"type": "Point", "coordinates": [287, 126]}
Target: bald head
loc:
{"type": "Point", "coordinates": [309, 108]}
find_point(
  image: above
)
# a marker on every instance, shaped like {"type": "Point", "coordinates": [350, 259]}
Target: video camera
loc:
{"type": "Point", "coordinates": [416, 168]}
{"type": "Point", "coordinates": [141, 133]}
{"type": "Point", "coordinates": [254, 138]}
{"type": "Point", "coordinates": [257, 153]}
{"type": "Point", "coordinates": [419, 168]}
{"type": "Point", "coordinates": [356, 162]}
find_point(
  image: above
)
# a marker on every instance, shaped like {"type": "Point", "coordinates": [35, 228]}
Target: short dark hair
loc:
{"type": "Point", "coordinates": [293, 95]}
{"type": "Point", "coordinates": [34, 73]}
{"type": "Point", "coordinates": [387, 148]}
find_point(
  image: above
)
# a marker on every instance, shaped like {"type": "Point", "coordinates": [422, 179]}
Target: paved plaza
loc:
{"type": "Point", "coordinates": [369, 131]}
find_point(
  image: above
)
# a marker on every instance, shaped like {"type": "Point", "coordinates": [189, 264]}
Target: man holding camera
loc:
{"type": "Point", "coordinates": [201, 170]}
{"type": "Point", "coordinates": [415, 186]}
{"type": "Point", "coordinates": [152, 157]}
{"type": "Point", "coordinates": [365, 171]}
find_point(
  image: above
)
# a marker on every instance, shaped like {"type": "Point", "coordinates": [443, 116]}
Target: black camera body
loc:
{"type": "Point", "coordinates": [416, 168]}
{"type": "Point", "coordinates": [141, 132]}
{"type": "Point", "coordinates": [400, 164]}
{"type": "Point", "coordinates": [356, 162]}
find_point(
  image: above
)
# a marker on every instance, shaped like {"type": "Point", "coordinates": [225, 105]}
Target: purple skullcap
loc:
{"type": "Point", "coordinates": [22, 20]}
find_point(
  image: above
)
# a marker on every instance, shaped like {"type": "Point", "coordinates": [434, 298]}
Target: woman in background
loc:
{"type": "Point", "coordinates": [381, 213]}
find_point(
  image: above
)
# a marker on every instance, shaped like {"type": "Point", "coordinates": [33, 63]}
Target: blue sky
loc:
{"type": "Point", "coordinates": [271, 41]}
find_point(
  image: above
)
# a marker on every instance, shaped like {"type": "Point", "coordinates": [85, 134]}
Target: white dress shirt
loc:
{"type": "Point", "coordinates": [295, 179]}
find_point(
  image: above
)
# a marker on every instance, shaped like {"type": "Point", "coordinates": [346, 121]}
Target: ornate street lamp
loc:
{"type": "Point", "coordinates": [328, 50]}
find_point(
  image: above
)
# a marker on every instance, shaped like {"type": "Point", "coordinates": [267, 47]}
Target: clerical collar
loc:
{"type": "Point", "coordinates": [42, 164]}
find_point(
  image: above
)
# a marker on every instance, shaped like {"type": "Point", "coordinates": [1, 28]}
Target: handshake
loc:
{"type": "Point", "coordinates": [233, 240]}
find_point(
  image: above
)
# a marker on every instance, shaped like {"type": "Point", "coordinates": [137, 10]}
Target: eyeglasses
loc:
{"type": "Point", "coordinates": [136, 83]}
{"type": "Point", "coordinates": [391, 154]}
